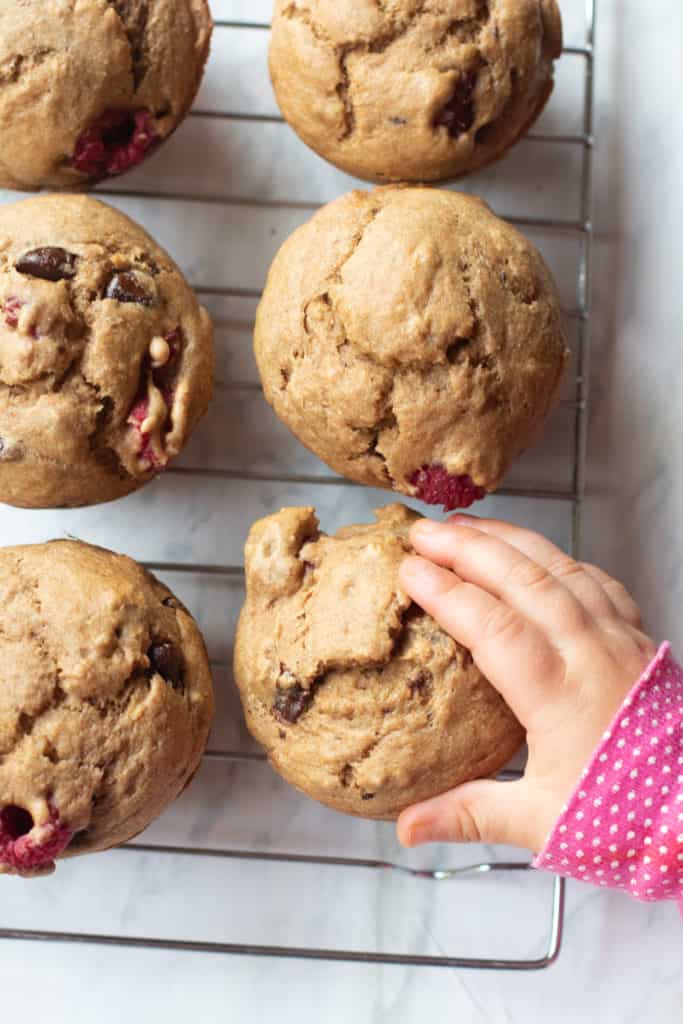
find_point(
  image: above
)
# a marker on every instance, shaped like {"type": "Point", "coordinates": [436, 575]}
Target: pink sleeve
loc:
{"type": "Point", "coordinates": [623, 825]}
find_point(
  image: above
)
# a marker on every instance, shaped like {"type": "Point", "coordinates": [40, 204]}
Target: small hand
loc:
{"type": "Point", "coordinates": [560, 640]}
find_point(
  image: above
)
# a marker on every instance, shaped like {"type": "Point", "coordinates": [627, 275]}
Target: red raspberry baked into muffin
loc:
{"type": "Point", "coordinates": [105, 702]}
{"type": "Point", "coordinates": [412, 340]}
{"type": "Point", "coordinates": [91, 87]}
{"type": "Point", "coordinates": [413, 90]}
{"type": "Point", "coordinates": [106, 358]}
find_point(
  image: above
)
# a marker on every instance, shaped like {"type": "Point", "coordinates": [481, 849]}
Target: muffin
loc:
{"type": "Point", "coordinates": [91, 87]}
{"type": "Point", "coordinates": [106, 358]}
{"type": "Point", "coordinates": [412, 340]}
{"type": "Point", "coordinates": [413, 91]}
{"type": "Point", "coordinates": [359, 698]}
{"type": "Point", "coordinates": [105, 702]}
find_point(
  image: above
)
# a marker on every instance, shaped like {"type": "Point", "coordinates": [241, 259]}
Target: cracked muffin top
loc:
{"type": "Point", "coordinates": [413, 90]}
{"type": "Point", "coordinates": [360, 699]}
{"type": "Point", "coordinates": [88, 88]}
{"type": "Point", "coordinates": [106, 358]}
{"type": "Point", "coordinates": [412, 340]}
{"type": "Point", "coordinates": [105, 702]}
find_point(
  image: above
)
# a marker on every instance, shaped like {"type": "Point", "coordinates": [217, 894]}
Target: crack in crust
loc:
{"type": "Point", "coordinates": [134, 15]}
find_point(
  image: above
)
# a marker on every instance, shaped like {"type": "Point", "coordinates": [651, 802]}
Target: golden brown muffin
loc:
{"type": "Point", "coordinates": [105, 702]}
{"type": "Point", "coordinates": [106, 358]}
{"type": "Point", "coordinates": [412, 340]}
{"type": "Point", "coordinates": [359, 698]}
{"type": "Point", "coordinates": [413, 90]}
{"type": "Point", "coordinates": [91, 87]}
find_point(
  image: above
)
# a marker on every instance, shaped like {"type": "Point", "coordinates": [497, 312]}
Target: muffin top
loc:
{"type": "Point", "coordinates": [105, 701]}
{"type": "Point", "coordinates": [106, 358]}
{"type": "Point", "coordinates": [413, 90]}
{"type": "Point", "coordinates": [359, 698]}
{"type": "Point", "coordinates": [90, 87]}
{"type": "Point", "coordinates": [413, 340]}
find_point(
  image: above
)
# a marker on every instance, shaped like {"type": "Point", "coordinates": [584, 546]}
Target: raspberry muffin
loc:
{"type": "Point", "coordinates": [359, 698]}
{"type": "Point", "coordinates": [105, 702]}
{"type": "Point", "coordinates": [410, 90]}
{"type": "Point", "coordinates": [412, 340]}
{"type": "Point", "coordinates": [91, 87]}
{"type": "Point", "coordinates": [106, 358]}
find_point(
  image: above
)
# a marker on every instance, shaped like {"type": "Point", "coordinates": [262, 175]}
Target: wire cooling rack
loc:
{"type": "Point", "coordinates": [571, 495]}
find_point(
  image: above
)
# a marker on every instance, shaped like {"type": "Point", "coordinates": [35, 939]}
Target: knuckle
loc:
{"type": "Point", "coordinates": [565, 567]}
{"type": "Point", "coordinates": [527, 574]}
{"type": "Point", "coordinates": [470, 828]}
{"type": "Point", "coordinates": [502, 623]}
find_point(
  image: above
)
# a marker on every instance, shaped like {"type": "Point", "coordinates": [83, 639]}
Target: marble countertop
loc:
{"type": "Point", "coordinates": [621, 961]}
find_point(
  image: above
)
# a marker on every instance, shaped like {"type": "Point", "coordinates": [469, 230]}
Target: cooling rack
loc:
{"type": "Point", "coordinates": [570, 495]}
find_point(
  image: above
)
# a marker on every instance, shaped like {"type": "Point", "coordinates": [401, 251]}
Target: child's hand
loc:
{"type": "Point", "coordinates": [561, 641]}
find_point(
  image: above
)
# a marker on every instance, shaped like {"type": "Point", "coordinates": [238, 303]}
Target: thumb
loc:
{"type": "Point", "coordinates": [476, 812]}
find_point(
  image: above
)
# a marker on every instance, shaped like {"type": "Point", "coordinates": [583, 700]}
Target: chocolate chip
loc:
{"type": "Point", "coordinates": [126, 287]}
{"type": "Point", "coordinates": [368, 796]}
{"type": "Point", "coordinates": [170, 602]}
{"type": "Point", "coordinates": [458, 114]}
{"type": "Point", "coordinates": [167, 660]}
{"type": "Point", "coordinates": [290, 703]}
{"type": "Point", "coordinates": [49, 263]}
{"type": "Point", "coordinates": [420, 682]}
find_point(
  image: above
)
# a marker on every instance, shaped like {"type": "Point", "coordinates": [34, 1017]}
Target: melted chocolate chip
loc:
{"type": "Point", "coordinates": [290, 703]}
{"type": "Point", "coordinates": [368, 796]}
{"type": "Point", "coordinates": [126, 287]}
{"type": "Point", "coordinates": [167, 660]}
{"type": "Point", "coordinates": [49, 263]}
{"type": "Point", "coordinates": [458, 114]}
{"type": "Point", "coordinates": [170, 602]}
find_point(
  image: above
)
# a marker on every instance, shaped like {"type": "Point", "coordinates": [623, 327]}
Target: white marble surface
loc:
{"type": "Point", "coordinates": [621, 962]}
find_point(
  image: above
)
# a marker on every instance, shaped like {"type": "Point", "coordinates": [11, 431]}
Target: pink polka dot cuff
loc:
{"type": "Point", "coordinates": [623, 825]}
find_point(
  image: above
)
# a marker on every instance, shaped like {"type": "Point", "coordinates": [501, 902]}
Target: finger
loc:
{"type": "Point", "coordinates": [513, 654]}
{"type": "Point", "coordinates": [619, 595]}
{"type": "Point", "coordinates": [476, 812]}
{"type": "Point", "coordinates": [506, 573]}
{"type": "Point", "coordinates": [586, 587]}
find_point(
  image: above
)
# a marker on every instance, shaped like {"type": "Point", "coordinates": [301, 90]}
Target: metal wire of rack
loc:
{"type": "Point", "coordinates": [574, 495]}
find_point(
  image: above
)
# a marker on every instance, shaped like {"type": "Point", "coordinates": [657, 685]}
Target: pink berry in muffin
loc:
{"type": "Point", "coordinates": [90, 89]}
{"type": "Point", "coordinates": [116, 143]}
{"type": "Point", "coordinates": [29, 849]}
{"type": "Point", "coordinates": [413, 341]}
{"type": "Point", "coordinates": [435, 486]}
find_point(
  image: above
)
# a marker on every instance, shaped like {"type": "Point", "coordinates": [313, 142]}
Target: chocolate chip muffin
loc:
{"type": "Point", "coordinates": [413, 90]}
{"type": "Point", "coordinates": [412, 340]}
{"type": "Point", "coordinates": [106, 358]}
{"type": "Point", "coordinates": [105, 702]}
{"type": "Point", "coordinates": [91, 87]}
{"type": "Point", "coordinates": [359, 698]}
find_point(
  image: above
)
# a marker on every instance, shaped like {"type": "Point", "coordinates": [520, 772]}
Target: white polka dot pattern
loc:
{"type": "Point", "coordinates": [623, 825]}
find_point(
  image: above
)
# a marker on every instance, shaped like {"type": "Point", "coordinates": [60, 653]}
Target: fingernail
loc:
{"type": "Point", "coordinates": [418, 568]}
{"type": "Point", "coordinates": [463, 519]}
{"type": "Point", "coordinates": [425, 527]}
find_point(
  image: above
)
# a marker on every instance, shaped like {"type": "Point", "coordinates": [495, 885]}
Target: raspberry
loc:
{"type": "Point", "coordinates": [27, 848]}
{"type": "Point", "coordinates": [10, 311]}
{"type": "Point", "coordinates": [436, 486]}
{"type": "Point", "coordinates": [119, 140]}
{"type": "Point", "coordinates": [136, 418]}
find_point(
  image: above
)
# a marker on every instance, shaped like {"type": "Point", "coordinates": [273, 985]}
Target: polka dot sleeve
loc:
{"type": "Point", "coordinates": [623, 825]}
